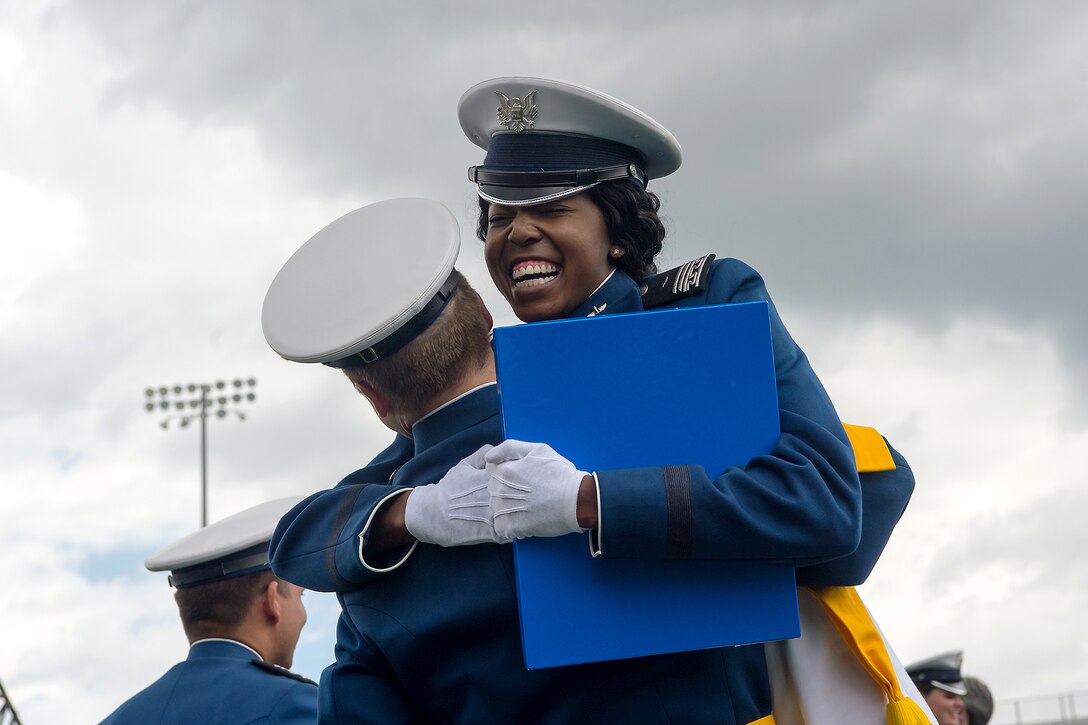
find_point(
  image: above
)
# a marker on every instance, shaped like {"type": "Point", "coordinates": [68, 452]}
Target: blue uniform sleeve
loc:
{"type": "Point", "coordinates": [884, 498]}
{"type": "Point", "coordinates": [316, 544]}
{"type": "Point", "coordinates": [801, 504]}
{"type": "Point", "coordinates": [360, 686]}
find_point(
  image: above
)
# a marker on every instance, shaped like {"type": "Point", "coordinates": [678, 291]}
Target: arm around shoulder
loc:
{"type": "Point", "coordinates": [317, 544]}
{"type": "Point", "coordinates": [885, 494]}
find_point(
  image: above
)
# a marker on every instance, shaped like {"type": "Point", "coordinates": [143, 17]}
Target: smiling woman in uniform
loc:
{"type": "Point", "coordinates": [570, 230]}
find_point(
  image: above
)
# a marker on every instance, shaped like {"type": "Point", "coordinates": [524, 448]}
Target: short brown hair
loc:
{"type": "Point", "coordinates": [454, 344]}
{"type": "Point", "coordinates": [215, 608]}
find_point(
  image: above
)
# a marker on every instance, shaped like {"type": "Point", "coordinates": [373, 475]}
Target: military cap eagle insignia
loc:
{"type": "Point", "coordinates": [515, 113]}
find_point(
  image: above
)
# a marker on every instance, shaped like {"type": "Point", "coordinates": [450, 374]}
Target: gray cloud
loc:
{"type": "Point", "coordinates": [1019, 542]}
{"type": "Point", "coordinates": [914, 161]}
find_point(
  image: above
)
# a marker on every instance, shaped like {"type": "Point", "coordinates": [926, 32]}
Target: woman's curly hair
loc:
{"type": "Point", "coordinates": [631, 216]}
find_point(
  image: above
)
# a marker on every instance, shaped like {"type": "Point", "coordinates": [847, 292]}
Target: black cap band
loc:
{"type": "Point", "coordinates": [248, 561]}
{"type": "Point", "coordinates": [578, 177]}
{"type": "Point", "coordinates": [943, 674]}
{"type": "Point", "coordinates": [404, 334]}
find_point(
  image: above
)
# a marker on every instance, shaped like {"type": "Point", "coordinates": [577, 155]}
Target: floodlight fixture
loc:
{"type": "Point", "coordinates": [196, 397]}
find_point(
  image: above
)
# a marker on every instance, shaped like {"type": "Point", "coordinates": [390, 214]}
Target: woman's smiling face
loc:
{"type": "Point", "coordinates": [548, 258]}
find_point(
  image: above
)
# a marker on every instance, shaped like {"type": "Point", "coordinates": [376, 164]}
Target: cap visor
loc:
{"type": "Point", "coordinates": [527, 196]}
{"type": "Point", "coordinates": [956, 688]}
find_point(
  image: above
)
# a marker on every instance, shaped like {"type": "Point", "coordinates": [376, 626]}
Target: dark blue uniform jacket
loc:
{"type": "Point", "coordinates": [219, 684]}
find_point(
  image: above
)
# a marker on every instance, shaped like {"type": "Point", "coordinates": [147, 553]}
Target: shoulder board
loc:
{"type": "Point", "coordinates": [870, 449]}
{"type": "Point", "coordinates": [282, 671]}
{"type": "Point", "coordinates": [683, 281]}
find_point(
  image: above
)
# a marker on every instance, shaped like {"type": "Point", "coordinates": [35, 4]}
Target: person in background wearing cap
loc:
{"type": "Point", "coordinates": [978, 702]}
{"type": "Point", "coordinates": [242, 624]}
{"type": "Point", "coordinates": [939, 680]}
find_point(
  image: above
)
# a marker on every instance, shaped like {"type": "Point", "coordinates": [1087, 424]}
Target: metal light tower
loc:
{"type": "Point", "coordinates": [8, 716]}
{"type": "Point", "coordinates": [197, 401]}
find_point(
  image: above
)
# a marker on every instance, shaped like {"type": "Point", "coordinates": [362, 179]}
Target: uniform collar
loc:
{"type": "Point", "coordinates": [619, 293]}
{"type": "Point", "coordinates": [471, 408]}
{"type": "Point", "coordinates": [219, 647]}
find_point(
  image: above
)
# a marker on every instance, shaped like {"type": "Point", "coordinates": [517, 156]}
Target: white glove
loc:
{"type": "Point", "coordinates": [456, 511]}
{"type": "Point", "coordinates": [534, 490]}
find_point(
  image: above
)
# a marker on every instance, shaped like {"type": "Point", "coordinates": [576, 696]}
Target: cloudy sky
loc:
{"type": "Point", "coordinates": [910, 178]}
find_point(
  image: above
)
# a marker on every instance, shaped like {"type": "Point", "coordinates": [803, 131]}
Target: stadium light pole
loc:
{"type": "Point", "coordinates": [8, 716]}
{"type": "Point", "coordinates": [197, 401]}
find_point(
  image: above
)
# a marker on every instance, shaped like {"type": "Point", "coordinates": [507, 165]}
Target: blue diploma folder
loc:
{"type": "Point", "coordinates": [684, 386]}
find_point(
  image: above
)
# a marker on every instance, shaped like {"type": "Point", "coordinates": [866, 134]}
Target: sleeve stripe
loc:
{"type": "Point", "coordinates": [678, 534]}
{"type": "Point", "coordinates": [347, 505]}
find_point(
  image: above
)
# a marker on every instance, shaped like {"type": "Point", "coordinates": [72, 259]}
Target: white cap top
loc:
{"type": "Point", "coordinates": [221, 540]}
{"type": "Point", "coordinates": [360, 280]}
{"type": "Point", "coordinates": [549, 125]}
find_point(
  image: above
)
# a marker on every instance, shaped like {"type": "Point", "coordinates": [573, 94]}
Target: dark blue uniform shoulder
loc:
{"type": "Point", "coordinates": [281, 671]}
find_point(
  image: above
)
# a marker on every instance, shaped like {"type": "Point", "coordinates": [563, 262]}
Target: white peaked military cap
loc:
{"type": "Point", "coordinates": [365, 285]}
{"type": "Point", "coordinates": [234, 546]}
{"type": "Point", "coordinates": [942, 672]}
{"type": "Point", "coordinates": [547, 139]}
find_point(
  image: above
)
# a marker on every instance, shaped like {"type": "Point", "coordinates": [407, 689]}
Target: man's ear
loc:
{"type": "Point", "coordinates": [270, 602]}
{"type": "Point", "coordinates": [379, 402]}
{"type": "Point", "coordinates": [483, 309]}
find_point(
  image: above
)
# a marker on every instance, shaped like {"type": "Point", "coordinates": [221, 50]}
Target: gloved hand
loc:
{"type": "Point", "coordinates": [534, 490]}
{"type": "Point", "coordinates": [456, 511]}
